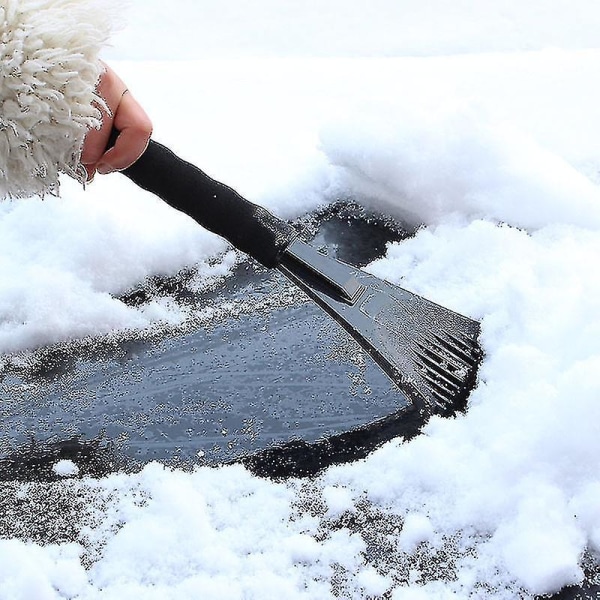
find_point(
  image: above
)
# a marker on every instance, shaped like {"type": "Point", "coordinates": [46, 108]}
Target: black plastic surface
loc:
{"type": "Point", "coordinates": [215, 206]}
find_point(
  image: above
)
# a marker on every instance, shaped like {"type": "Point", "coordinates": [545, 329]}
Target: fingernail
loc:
{"type": "Point", "coordinates": [104, 168]}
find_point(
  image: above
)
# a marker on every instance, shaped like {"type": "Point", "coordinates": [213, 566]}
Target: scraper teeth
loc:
{"type": "Point", "coordinates": [442, 358]}
{"type": "Point", "coordinates": [463, 349]}
{"type": "Point", "coordinates": [446, 365]}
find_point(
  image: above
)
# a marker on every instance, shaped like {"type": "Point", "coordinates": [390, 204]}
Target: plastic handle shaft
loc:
{"type": "Point", "coordinates": [215, 206]}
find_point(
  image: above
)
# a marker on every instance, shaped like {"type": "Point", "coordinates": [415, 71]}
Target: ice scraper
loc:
{"type": "Point", "coordinates": [430, 352]}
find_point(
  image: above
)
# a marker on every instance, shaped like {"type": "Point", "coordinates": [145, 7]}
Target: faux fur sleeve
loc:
{"type": "Point", "coordinates": [48, 72]}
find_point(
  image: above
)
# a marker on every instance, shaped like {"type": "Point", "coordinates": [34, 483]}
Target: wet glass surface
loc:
{"type": "Point", "coordinates": [272, 369]}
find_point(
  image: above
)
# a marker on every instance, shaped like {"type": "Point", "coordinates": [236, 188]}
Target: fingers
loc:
{"type": "Point", "coordinates": [127, 116]}
{"type": "Point", "coordinates": [134, 128]}
{"type": "Point", "coordinates": [94, 145]}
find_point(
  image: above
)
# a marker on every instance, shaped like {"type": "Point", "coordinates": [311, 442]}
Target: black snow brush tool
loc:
{"type": "Point", "coordinates": [430, 352]}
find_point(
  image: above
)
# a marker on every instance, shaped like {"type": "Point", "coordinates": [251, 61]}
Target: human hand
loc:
{"type": "Point", "coordinates": [128, 117]}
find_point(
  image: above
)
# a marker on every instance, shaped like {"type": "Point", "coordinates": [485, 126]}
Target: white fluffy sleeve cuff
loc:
{"type": "Point", "coordinates": [48, 72]}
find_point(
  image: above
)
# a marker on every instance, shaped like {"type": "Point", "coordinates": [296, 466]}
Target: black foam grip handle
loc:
{"type": "Point", "coordinates": [215, 206]}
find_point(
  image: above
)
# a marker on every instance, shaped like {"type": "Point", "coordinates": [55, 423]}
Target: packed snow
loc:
{"type": "Point", "coordinates": [65, 468]}
{"type": "Point", "coordinates": [476, 123]}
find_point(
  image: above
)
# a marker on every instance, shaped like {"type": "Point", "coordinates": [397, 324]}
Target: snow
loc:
{"type": "Point", "coordinates": [65, 468]}
{"type": "Point", "coordinates": [476, 122]}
